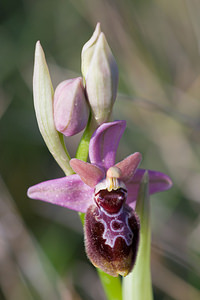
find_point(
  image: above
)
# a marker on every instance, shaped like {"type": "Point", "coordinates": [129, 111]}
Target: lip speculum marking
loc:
{"type": "Point", "coordinates": [115, 225]}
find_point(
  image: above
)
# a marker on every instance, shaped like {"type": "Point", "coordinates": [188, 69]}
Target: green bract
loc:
{"type": "Point", "coordinates": [43, 103]}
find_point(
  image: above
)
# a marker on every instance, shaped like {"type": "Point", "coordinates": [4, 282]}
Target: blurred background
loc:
{"type": "Point", "coordinates": [157, 47]}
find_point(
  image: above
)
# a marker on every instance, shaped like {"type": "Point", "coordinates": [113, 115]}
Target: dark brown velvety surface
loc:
{"type": "Point", "coordinates": [116, 260]}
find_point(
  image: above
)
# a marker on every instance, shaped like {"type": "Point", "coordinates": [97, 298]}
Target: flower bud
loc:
{"type": "Point", "coordinates": [71, 110]}
{"type": "Point", "coordinates": [100, 74]}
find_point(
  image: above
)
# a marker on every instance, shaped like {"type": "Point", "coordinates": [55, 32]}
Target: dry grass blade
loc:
{"type": "Point", "coordinates": [22, 261]}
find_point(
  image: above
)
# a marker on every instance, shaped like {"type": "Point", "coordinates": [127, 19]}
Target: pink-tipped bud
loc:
{"type": "Point", "coordinates": [71, 110]}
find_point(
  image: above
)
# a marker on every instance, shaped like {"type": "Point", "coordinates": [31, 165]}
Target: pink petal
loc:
{"type": "Point", "coordinates": [89, 174]}
{"type": "Point", "coordinates": [104, 143]}
{"type": "Point", "coordinates": [158, 182]}
{"type": "Point", "coordinates": [68, 191]}
{"type": "Point", "coordinates": [129, 165]}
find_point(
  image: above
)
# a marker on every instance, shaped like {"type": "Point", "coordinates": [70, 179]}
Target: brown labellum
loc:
{"type": "Point", "coordinates": [111, 240]}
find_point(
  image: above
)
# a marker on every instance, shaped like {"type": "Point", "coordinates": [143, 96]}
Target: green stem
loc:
{"type": "Point", "coordinates": [83, 147]}
{"type": "Point", "coordinates": [83, 150]}
{"type": "Point", "coordinates": [111, 285]}
{"type": "Point", "coordinates": [137, 285]}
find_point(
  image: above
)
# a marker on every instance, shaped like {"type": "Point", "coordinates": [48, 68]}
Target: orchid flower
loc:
{"type": "Point", "coordinates": [107, 193]}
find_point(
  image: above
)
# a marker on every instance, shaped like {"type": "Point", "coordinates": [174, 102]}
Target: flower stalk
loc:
{"type": "Point", "coordinates": [111, 285]}
{"type": "Point", "coordinates": [83, 147]}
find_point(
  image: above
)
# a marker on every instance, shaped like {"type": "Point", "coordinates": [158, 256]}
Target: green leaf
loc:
{"type": "Point", "coordinates": [137, 285]}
